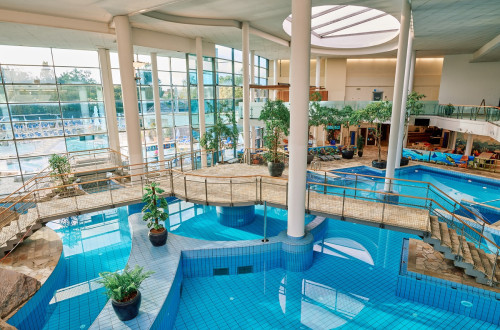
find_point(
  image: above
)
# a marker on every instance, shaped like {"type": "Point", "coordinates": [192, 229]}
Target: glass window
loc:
{"type": "Point", "coordinates": [78, 76]}
{"type": "Point", "coordinates": [238, 67]}
{"type": "Point", "coordinates": [115, 74]}
{"type": "Point", "coordinates": [80, 93]}
{"type": "Point", "coordinates": [163, 78]}
{"type": "Point", "coordinates": [224, 92]}
{"type": "Point", "coordinates": [223, 52]}
{"type": "Point", "coordinates": [224, 66]}
{"type": "Point", "coordinates": [85, 126]}
{"type": "Point", "coordinates": [146, 93]}
{"type": "Point", "coordinates": [178, 64]}
{"type": "Point", "coordinates": [208, 92]}
{"type": "Point", "coordinates": [208, 78]}
{"type": "Point", "coordinates": [7, 150]}
{"type": "Point", "coordinates": [31, 93]}
{"type": "Point", "coordinates": [13, 74]}
{"type": "Point", "coordinates": [113, 57]}
{"type": "Point", "coordinates": [146, 77]}
{"type": "Point", "coordinates": [83, 110]}
{"type": "Point", "coordinates": [179, 78]}
{"type": "Point", "coordinates": [2, 95]}
{"type": "Point", "coordinates": [88, 142]}
{"type": "Point", "coordinates": [25, 55]}
{"type": "Point", "coordinates": [73, 57]}
{"type": "Point", "coordinates": [41, 147]}
{"type": "Point", "coordinates": [34, 164]}
{"type": "Point", "coordinates": [163, 63]}
{"type": "Point", "coordinates": [238, 55]}
{"type": "Point", "coordinates": [224, 79]}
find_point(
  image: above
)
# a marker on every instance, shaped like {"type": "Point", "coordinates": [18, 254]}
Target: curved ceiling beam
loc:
{"type": "Point", "coordinates": [386, 47]}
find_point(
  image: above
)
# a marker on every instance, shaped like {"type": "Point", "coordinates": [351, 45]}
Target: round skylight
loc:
{"type": "Point", "coordinates": [342, 26]}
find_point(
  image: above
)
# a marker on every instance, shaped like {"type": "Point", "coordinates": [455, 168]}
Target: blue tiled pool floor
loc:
{"type": "Point", "coordinates": [197, 221]}
{"type": "Point", "coordinates": [92, 243]}
{"type": "Point", "coordinates": [351, 284]}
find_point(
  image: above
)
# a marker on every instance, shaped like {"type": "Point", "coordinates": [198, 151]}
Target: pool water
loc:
{"type": "Point", "coordinates": [200, 221]}
{"type": "Point", "coordinates": [460, 187]}
{"type": "Point", "coordinates": [351, 285]}
{"type": "Point", "coordinates": [92, 243]}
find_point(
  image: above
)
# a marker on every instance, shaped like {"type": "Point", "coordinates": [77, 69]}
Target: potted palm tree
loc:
{"type": "Point", "coordinates": [277, 118]}
{"type": "Point", "coordinates": [376, 113]}
{"type": "Point", "coordinates": [348, 117]}
{"type": "Point", "coordinates": [360, 144]}
{"type": "Point", "coordinates": [155, 211]}
{"type": "Point", "coordinates": [317, 115]}
{"type": "Point", "coordinates": [123, 290]}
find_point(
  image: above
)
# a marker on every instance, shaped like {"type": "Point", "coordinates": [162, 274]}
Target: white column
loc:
{"type": "Point", "coordinates": [318, 72]}
{"type": "Point", "coordinates": [453, 140]}
{"type": "Point", "coordinates": [129, 89]}
{"type": "Point", "coordinates": [402, 120]}
{"type": "Point", "coordinates": [275, 78]}
{"type": "Point", "coordinates": [253, 136]}
{"type": "Point", "coordinates": [156, 98]}
{"type": "Point", "coordinates": [245, 49]}
{"type": "Point", "coordinates": [252, 75]}
{"type": "Point", "coordinates": [398, 93]}
{"type": "Point", "coordinates": [109, 101]}
{"type": "Point", "coordinates": [299, 105]}
{"type": "Point", "coordinates": [468, 146]}
{"type": "Point", "coordinates": [201, 94]}
{"type": "Point", "coordinates": [412, 70]}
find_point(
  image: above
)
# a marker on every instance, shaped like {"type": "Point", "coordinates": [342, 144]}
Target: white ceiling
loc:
{"type": "Point", "coordinates": [441, 27]}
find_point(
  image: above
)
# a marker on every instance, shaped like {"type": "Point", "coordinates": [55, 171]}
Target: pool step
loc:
{"type": "Point", "coordinates": [473, 260]}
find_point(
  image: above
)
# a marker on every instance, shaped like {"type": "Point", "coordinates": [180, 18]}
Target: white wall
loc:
{"type": "Point", "coordinates": [469, 83]}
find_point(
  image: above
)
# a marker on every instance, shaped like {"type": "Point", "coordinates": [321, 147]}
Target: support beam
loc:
{"type": "Point", "coordinates": [318, 72]}
{"type": "Point", "coordinates": [402, 121]}
{"type": "Point", "coordinates": [398, 94]}
{"type": "Point", "coordinates": [275, 78]}
{"type": "Point", "coordinates": [252, 75]}
{"type": "Point", "coordinates": [109, 101]}
{"type": "Point", "coordinates": [156, 98]}
{"type": "Point", "coordinates": [245, 47]}
{"type": "Point", "coordinates": [468, 146]}
{"type": "Point", "coordinates": [129, 90]}
{"type": "Point", "coordinates": [201, 94]}
{"type": "Point", "coordinates": [299, 105]}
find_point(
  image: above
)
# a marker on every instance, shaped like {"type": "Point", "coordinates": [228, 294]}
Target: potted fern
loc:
{"type": "Point", "coordinates": [123, 290]}
{"type": "Point", "coordinates": [155, 211]}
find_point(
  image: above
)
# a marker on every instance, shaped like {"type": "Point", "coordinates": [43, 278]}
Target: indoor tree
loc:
{"type": "Point", "coordinates": [376, 113]}
{"type": "Point", "coordinates": [155, 211]}
{"type": "Point", "coordinates": [60, 168]}
{"type": "Point", "coordinates": [277, 118]}
{"type": "Point", "coordinates": [414, 107]}
{"type": "Point", "coordinates": [224, 127]}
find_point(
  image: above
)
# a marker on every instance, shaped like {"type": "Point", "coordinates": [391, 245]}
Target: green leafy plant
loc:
{"type": "Point", "coordinates": [60, 168]}
{"type": "Point", "coordinates": [414, 107]}
{"type": "Point", "coordinates": [449, 109]}
{"type": "Point", "coordinates": [123, 287]}
{"type": "Point", "coordinates": [224, 127]}
{"type": "Point", "coordinates": [277, 118]}
{"type": "Point", "coordinates": [376, 113]}
{"type": "Point", "coordinates": [155, 208]}
{"type": "Point", "coordinates": [360, 143]}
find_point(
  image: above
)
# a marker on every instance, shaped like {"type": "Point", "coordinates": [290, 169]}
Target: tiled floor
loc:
{"type": "Point", "coordinates": [351, 285]}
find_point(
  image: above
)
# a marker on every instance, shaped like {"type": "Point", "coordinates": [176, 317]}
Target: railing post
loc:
{"type": "Point", "coordinates": [206, 192]}
{"type": "Point", "coordinates": [265, 223]}
{"type": "Point", "coordinates": [308, 198]}
{"type": "Point", "coordinates": [231, 191]}
{"type": "Point", "coordinates": [324, 187]}
{"type": "Point", "coordinates": [482, 231]}
{"type": "Point", "coordinates": [260, 190]}
{"type": "Point", "coordinates": [461, 238]}
{"type": "Point", "coordinates": [181, 163]}
{"type": "Point", "coordinates": [256, 189]}
{"type": "Point", "coordinates": [355, 186]}
{"type": "Point", "coordinates": [171, 181]}
{"type": "Point", "coordinates": [343, 205]}
{"type": "Point", "coordinates": [185, 189]}
{"type": "Point", "coordinates": [36, 203]}
{"type": "Point", "coordinates": [383, 209]}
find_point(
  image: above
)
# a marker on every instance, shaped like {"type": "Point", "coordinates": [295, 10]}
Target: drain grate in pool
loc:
{"type": "Point", "coordinates": [245, 269]}
{"type": "Point", "coordinates": [221, 271]}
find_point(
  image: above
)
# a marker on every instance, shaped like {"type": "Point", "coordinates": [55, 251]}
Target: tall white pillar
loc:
{"type": "Point", "coordinates": [299, 105]}
{"type": "Point", "coordinates": [275, 78]}
{"type": "Point", "coordinates": [201, 94]}
{"type": "Point", "coordinates": [468, 146]}
{"type": "Point", "coordinates": [109, 101]}
{"type": "Point", "coordinates": [245, 49]}
{"type": "Point", "coordinates": [129, 90]}
{"type": "Point", "coordinates": [406, 91]}
{"type": "Point", "coordinates": [412, 70]}
{"type": "Point", "coordinates": [253, 138]}
{"type": "Point", "coordinates": [252, 75]}
{"type": "Point", "coordinates": [318, 72]}
{"type": "Point", "coordinates": [398, 94]}
{"type": "Point", "coordinates": [453, 140]}
{"type": "Point", "coordinates": [156, 98]}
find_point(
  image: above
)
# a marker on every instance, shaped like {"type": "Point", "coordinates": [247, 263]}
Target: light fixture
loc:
{"type": "Point", "coordinates": [138, 64]}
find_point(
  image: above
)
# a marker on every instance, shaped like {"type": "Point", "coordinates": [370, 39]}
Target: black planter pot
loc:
{"type": "Point", "coordinates": [275, 169]}
{"type": "Point", "coordinates": [347, 154]}
{"type": "Point", "coordinates": [382, 164]}
{"type": "Point", "coordinates": [404, 161]}
{"type": "Point", "coordinates": [127, 310]}
{"type": "Point", "coordinates": [360, 153]}
{"type": "Point", "coordinates": [158, 239]}
{"type": "Point", "coordinates": [310, 159]}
